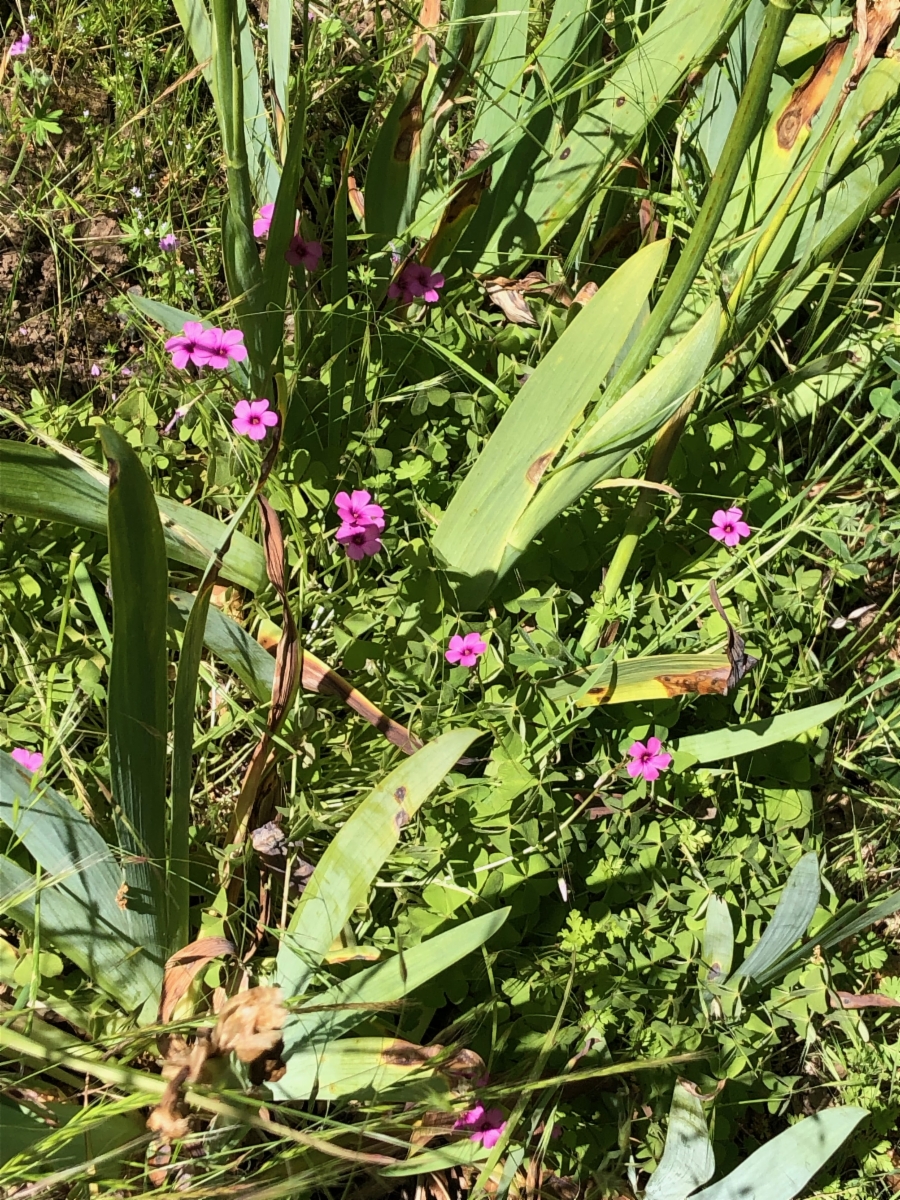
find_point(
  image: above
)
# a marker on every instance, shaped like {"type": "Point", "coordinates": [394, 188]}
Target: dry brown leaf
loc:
{"type": "Point", "coordinates": [849, 1000]}
{"type": "Point", "coordinates": [181, 969]}
{"type": "Point", "coordinates": [250, 1024]}
{"type": "Point", "coordinates": [429, 18]}
{"type": "Point", "coordinates": [873, 24]}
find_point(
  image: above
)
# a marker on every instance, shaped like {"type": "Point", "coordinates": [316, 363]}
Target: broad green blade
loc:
{"type": "Point", "coordinates": [554, 188]}
{"type": "Point", "coordinates": [604, 444]}
{"type": "Point", "coordinates": [363, 1067]}
{"type": "Point", "coordinates": [789, 922]}
{"type": "Point", "coordinates": [79, 913]}
{"type": "Point", "coordinates": [474, 531]}
{"type": "Point", "coordinates": [688, 1159]}
{"type": "Point", "coordinates": [718, 943]}
{"type": "Point", "coordinates": [390, 189]}
{"type": "Point", "coordinates": [138, 690]}
{"type": "Point", "coordinates": [79, 1135]}
{"type": "Point", "coordinates": [278, 37]}
{"type": "Point", "coordinates": [500, 77]}
{"type": "Point", "coordinates": [228, 641]}
{"type": "Point", "coordinates": [845, 925]}
{"type": "Point", "coordinates": [40, 483]}
{"type": "Point", "coordinates": [783, 1167]}
{"type": "Point", "coordinates": [656, 677]}
{"type": "Point", "coordinates": [348, 868]}
{"type": "Point", "coordinates": [388, 981]}
{"type": "Point", "coordinates": [757, 735]}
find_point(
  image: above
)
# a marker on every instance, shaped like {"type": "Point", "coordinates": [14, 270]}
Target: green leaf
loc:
{"type": "Point", "coordinates": [842, 926]}
{"type": "Point", "coordinates": [68, 1136]}
{"type": "Point", "coordinates": [361, 1067]}
{"type": "Point", "coordinates": [785, 1165]}
{"type": "Point", "coordinates": [718, 943]}
{"type": "Point", "coordinates": [226, 639]}
{"type": "Point", "coordinates": [688, 1159]}
{"type": "Point", "coordinates": [138, 689]}
{"type": "Point", "coordinates": [347, 869]}
{"type": "Point", "coordinates": [473, 534]}
{"type": "Point", "coordinates": [757, 735]}
{"type": "Point", "coordinates": [605, 442]}
{"type": "Point", "coordinates": [789, 922]}
{"type": "Point", "coordinates": [389, 981]}
{"type": "Point", "coordinates": [79, 913]}
{"type": "Point", "coordinates": [40, 483]}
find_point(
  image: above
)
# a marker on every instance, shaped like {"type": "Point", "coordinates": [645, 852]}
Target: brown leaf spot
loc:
{"type": "Point", "coordinates": [565, 154]}
{"type": "Point", "coordinates": [122, 896]}
{"type": "Point", "coordinates": [400, 794]}
{"type": "Point", "coordinates": [620, 100]}
{"type": "Point", "coordinates": [538, 467]}
{"type": "Point", "coordinates": [401, 820]}
{"type": "Point", "coordinates": [703, 683]}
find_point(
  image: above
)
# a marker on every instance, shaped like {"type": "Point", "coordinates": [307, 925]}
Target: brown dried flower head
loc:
{"type": "Point", "coordinates": [250, 1024]}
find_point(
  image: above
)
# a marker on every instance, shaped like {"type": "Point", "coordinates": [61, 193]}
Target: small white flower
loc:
{"type": "Point", "coordinates": [148, 232]}
{"type": "Point", "coordinates": [136, 192]}
{"type": "Point", "coordinates": [86, 113]}
{"type": "Point", "coordinates": [190, 270]}
{"type": "Point", "coordinates": [139, 214]}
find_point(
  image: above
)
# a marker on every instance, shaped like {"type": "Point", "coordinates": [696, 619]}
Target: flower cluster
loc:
{"type": "Point", "coordinates": [31, 760]}
{"type": "Point", "coordinates": [728, 526]}
{"type": "Point", "coordinates": [485, 1125]}
{"type": "Point", "coordinates": [465, 650]}
{"type": "Point", "coordinates": [416, 282]}
{"type": "Point", "coordinates": [206, 347]}
{"type": "Point", "coordinates": [252, 418]}
{"type": "Point", "coordinates": [361, 526]}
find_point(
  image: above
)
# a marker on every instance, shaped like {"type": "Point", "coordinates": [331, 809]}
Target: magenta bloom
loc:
{"type": "Point", "coordinates": [360, 541]}
{"type": "Point", "coordinates": [31, 760]}
{"type": "Point", "coordinates": [21, 46]}
{"type": "Point", "coordinates": [168, 242]}
{"type": "Point", "coordinates": [416, 281]}
{"type": "Point", "coordinates": [184, 346]}
{"type": "Point", "coordinates": [303, 254]}
{"type": "Point", "coordinates": [486, 1125]}
{"type": "Point", "coordinates": [465, 650]}
{"type": "Point", "coordinates": [263, 222]}
{"type": "Point", "coordinates": [648, 760]}
{"type": "Point", "coordinates": [218, 347]}
{"type": "Point", "coordinates": [356, 510]}
{"type": "Point", "coordinates": [252, 417]}
{"type": "Point", "coordinates": [728, 527]}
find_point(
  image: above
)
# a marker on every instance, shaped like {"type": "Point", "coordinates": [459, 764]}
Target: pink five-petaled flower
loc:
{"type": "Point", "coordinates": [252, 417]}
{"type": "Point", "coordinates": [465, 650]}
{"type": "Point", "coordinates": [168, 243]}
{"type": "Point", "coordinates": [648, 760]}
{"type": "Point", "coordinates": [356, 509]}
{"type": "Point", "coordinates": [218, 347]}
{"type": "Point", "coordinates": [183, 346]}
{"type": "Point", "coordinates": [31, 760]}
{"type": "Point", "coordinates": [21, 46]}
{"type": "Point", "coordinates": [263, 222]}
{"type": "Point", "coordinates": [416, 281]}
{"type": "Point", "coordinates": [360, 541]}
{"type": "Point", "coordinates": [303, 254]}
{"type": "Point", "coordinates": [728, 527]}
{"type": "Point", "coordinates": [486, 1125]}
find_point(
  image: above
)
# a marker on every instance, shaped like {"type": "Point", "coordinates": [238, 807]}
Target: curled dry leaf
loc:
{"type": "Point", "coordinates": [182, 968]}
{"type": "Point", "coordinates": [849, 1000]}
{"type": "Point", "coordinates": [250, 1024]}
{"type": "Point", "coordinates": [741, 662]}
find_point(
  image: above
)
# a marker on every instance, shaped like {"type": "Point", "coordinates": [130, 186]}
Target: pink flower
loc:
{"type": "Point", "coordinates": [95, 370]}
{"type": "Point", "coordinates": [303, 254]}
{"type": "Point", "coordinates": [127, 372]}
{"type": "Point", "coordinates": [359, 541]}
{"type": "Point", "coordinates": [465, 650]}
{"type": "Point", "coordinates": [728, 527]}
{"type": "Point", "coordinates": [168, 242]}
{"type": "Point", "coordinates": [416, 281]}
{"type": "Point", "coordinates": [31, 760]}
{"type": "Point", "coordinates": [21, 46]}
{"type": "Point", "coordinates": [648, 760]}
{"type": "Point", "coordinates": [263, 222]}
{"type": "Point", "coordinates": [251, 417]}
{"type": "Point", "coordinates": [486, 1126]}
{"type": "Point", "coordinates": [184, 346]}
{"type": "Point", "coordinates": [217, 347]}
{"type": "Point", "coordinates": [356, 510]}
